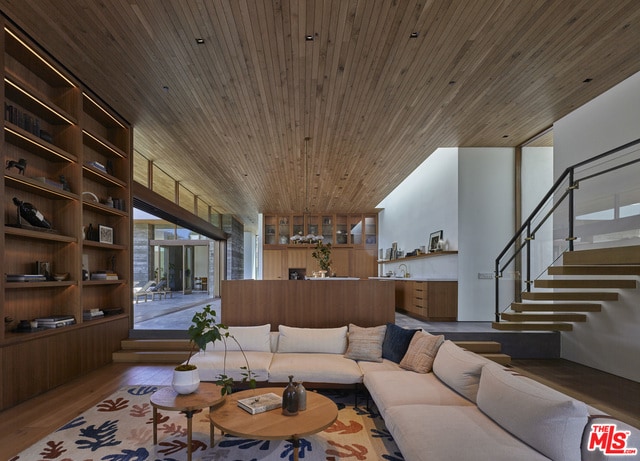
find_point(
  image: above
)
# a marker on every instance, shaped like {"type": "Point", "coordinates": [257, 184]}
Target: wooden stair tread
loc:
{"type": "Point", "coordinates": [564, 307]}
{"type": "Point", "coordinates": [532, 326]}
{"type": "Point", "coordinates": [156, 344]}
{"type": "Point", "coordinates": [594, 270]}
{"type": "Point", "coordinates": [480, 346]}
{"type": "Point", "coordinates": [604, 256]}
{"type": "Point", "coordinates": [585, 284]}
{"type": "Point", "coordinates": [543, 317]}
{"type": "Point", "coordinates": [502, 359]}
{"type": "Point", "coordinates": [137, 356]}
{"type": "Point", "coordinates": [570, 296]}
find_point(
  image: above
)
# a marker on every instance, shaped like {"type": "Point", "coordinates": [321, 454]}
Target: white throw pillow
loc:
{"type": "Point", "coordinates": [547, 420]}
{"type": "Point", "coordinates": [459, 369]}
{"type": "Point", "coordinates": [314, 340]}
{"type": "Point", "coordinates": [253, 338]}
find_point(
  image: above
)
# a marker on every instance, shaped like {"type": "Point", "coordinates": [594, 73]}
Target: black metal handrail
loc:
{"type": "Point", "coordinates": [568, 174]}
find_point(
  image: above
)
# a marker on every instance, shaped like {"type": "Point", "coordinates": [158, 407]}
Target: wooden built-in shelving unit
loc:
{"type": "Point", "coordinates": [64, 133]}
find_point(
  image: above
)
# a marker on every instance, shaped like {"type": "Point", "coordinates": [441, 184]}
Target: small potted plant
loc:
{"type": "Point", "coordinates": [322, 254]}
{"type": "Point", "coordinates": [204, 330]}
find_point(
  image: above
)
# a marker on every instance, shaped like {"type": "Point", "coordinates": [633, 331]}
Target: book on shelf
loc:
{"type": "Point", "coordinates": [90, 314]}
{"type": "Point", "coordinates": [102, 275]}
{"type": "Point", "coordinates": [261, 403]}
{"type": "Point", "coordinates": [56, 321]}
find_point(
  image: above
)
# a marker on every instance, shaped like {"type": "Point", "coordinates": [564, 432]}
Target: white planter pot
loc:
{"type": "Point", "coordinates": [185, 382]}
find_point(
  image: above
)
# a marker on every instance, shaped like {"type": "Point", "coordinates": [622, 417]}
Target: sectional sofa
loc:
{"type": "Point", "coordinates": [439, 402]}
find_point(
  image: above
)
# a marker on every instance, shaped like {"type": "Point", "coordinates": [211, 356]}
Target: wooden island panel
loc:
{"type": "Point", "coordinates": [307, 303]}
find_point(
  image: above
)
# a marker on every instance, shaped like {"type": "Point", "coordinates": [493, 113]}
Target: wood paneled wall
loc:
{"type": "Point", "coordinates": [307, 303]}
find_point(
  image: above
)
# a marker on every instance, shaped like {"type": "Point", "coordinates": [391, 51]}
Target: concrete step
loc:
{"type": "Point", "coordinates": [570, 296]}
{"type": "Point", "coordinates": [136, 356]}
{"type": "Point", "coordinates": [532, 326]}
{"type": "Point", "coordinates": [585, 284]}
{"type": "Point", "coordinates": [549, 317]}
{"type": "Point", "coordinates": [594, 270]}
{"type": "Point", "coordinates": [603, 256]}
{"type": "Point", "coordinates": [556, 307]}
{"type": "Point", "coordinates": [156, 344]}
{"type": "Point", "coordinates": [480, 347]}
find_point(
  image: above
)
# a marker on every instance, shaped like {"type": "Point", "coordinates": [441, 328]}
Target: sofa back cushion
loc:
{"type": "Point", "coordinates": [545, 419]}
{"type": "Point", "coordinates": [312, 340]}
{"type": "Point", "coordinates": [253, 338]}
{"type": "Point", "coordinates": [421, 352]}
{"type": "Point", "coordinates": [396, 342]}
{"type": "Point", "coordinates": [459, 369]}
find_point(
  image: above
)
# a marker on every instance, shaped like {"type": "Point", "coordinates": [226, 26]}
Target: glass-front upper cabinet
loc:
{"type": "Point", "coordinates": [355, 230]}
{"type": "Point", "coordinates": [327, 229]}
{"type": "Point", "coordinates": [312, 225]}
{"type": "Point", "coordinates": [342, 236]}
{"type": "Point", "coordinates": [283, 230]}
{"type": "Point", "coordinates": [270, 230]}
{"type": "Point", "coordinates": [298, 225]}
{"type": "Point", "coordinates": [370, 230]}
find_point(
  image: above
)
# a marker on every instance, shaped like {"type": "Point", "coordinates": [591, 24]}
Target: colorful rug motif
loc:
{"type": "Point", "coordinates": [120, 428]}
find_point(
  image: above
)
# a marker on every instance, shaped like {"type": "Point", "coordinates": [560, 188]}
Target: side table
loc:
{"type": "Point", "coordinates": [165, 398]}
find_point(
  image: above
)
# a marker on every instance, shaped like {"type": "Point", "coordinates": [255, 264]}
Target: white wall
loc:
{"type": "Point", "coordinates": [426, 201]}
{"type": "Point", "coordinates": [249, 255]}
{"type": "Point", "coordinates": [485, 225]}
{"type": "Point", "coordinates": [609, 341]}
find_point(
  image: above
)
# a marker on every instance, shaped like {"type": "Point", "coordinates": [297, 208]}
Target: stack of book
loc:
{"type": "Point", "coordinates": [56, 321]}
{"type": "Point", "coordinates": [104, 275]}
{"type": "Point", "coordinates": [91, 314]}
{"type": "Point", "coordinates": [261, 403]}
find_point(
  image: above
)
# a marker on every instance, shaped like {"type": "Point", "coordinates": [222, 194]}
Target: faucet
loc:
{"type": "Point", "coordinates": [405, 271]}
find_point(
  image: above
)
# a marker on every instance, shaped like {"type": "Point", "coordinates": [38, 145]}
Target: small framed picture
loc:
{"type": "Point", "coordinates": [434, 238]}
{"type": "Point", "coordinates": [106, 234]}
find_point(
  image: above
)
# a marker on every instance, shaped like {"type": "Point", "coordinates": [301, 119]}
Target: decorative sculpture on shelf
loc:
{"type": "Point", "coordinates": [20, 165]}
{"type": "Point", "coordinates": [28, 212]}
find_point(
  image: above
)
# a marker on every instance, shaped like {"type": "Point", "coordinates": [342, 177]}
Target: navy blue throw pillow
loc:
{"type": "Point", "coordinates": [396, 342]}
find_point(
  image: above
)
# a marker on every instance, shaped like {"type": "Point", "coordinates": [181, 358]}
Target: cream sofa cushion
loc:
{"type": "Point", "coordinates": [453, 433]}
{"type": "Point", "coordinates": [312, 340]}
{"type": "Point", "coordinates": [314, 368]}
{"type": "Point", "coordinates": [459, 369]}
{"type": "Point", "coordinates": [549, 421]}
{"type": "Point", "coordinates": [390, 388]}
{"type": "Point", "coordinates": [421, 352]}
{"type": "Point", "coordinates": [252, 338]}
{"type": "Point", "coordinates": [211, 364]}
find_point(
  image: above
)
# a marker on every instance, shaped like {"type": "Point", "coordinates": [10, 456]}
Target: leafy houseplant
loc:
{"type": "Point", "coordinates": [204, 330]}
{"type": "Point", "coordinates": [322, 254]}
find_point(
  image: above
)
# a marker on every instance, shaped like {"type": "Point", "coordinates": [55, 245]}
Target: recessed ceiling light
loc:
{"type": "Point", "coordinates": [308, 38]}
{"type": "Point", "coordinates": [587, 80]}
{"type": "Point", "coordinates": [505, 136]}
{"type": "Point", "coordinates": [414, 35]}
{"type": "Point", "coordinates": [200, 41]}
{"type": "Point", "coordinates": [452, 82]}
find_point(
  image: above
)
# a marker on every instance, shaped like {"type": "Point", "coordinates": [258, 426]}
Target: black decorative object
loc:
{"type": "Point", "coordinates": [20, 165]}
{"type": "Point", "coordinates": [31, 214]}
{"type": "Point", "coordinates": [290, 399]}
{"type": "Point", "coordinates": [65, 184]}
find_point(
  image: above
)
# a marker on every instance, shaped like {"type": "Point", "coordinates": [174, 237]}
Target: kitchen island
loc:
{"type": "Point", "coordinates": [319, 303]}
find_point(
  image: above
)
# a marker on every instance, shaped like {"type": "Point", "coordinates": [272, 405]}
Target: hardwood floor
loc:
{"type": "Point", "coordinates": [23, 425]}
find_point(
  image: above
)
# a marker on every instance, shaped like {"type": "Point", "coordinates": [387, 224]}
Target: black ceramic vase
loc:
{"type": "Point", "coordinates": [290, 399]}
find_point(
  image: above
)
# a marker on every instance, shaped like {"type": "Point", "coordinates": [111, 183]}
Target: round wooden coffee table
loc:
{"type": "Point", "coordinates": [165, 398]}
{"type": "Point", "coordinates": [321, 413]}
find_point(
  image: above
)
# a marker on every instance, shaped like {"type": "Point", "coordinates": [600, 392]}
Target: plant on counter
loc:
{"type": "Point", "coordinates": [322, 254]}
{"type": "Point", "coordinates": [204, 330]}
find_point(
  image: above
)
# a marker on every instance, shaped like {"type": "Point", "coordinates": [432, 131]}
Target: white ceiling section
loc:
{"type": "Point", "coordinates": [260, 119]}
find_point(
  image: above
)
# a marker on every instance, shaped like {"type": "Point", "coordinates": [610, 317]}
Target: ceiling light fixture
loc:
{"type": "Point", "coordinates": [200, 41]}
{"type": "Point", "coordinates": [587, 80]}
{"type": "Point", "coordinates": [308, 38]}
{"type": "Point", "coordinates": [414, 35]}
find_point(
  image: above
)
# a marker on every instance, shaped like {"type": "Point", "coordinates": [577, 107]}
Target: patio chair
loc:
{"type": "Point", "coordinates": [144, 291]}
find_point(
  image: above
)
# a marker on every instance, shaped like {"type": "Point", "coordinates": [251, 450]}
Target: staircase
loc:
{"type": "Point", "coordinates": [587, 279]}
{"type": "Point", "coordinates": [171, 351]}
{"type": "Point", "coordinates": [488, 349]}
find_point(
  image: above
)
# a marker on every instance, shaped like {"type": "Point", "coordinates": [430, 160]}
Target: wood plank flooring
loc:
{"type": "Point", "coordinates": [23, 425]}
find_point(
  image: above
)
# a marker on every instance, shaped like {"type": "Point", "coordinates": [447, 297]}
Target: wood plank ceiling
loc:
{"type": "Point", "coordinates": [260, 119]}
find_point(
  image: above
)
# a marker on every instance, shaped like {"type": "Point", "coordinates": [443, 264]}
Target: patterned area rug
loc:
{"type": "Point", "coordinates": [120, 428]}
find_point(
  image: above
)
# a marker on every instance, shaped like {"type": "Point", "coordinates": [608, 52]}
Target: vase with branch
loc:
{"type": "Point", "coordinates": [322, 254]}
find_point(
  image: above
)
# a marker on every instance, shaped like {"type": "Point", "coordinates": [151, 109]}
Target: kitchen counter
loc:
{"type": "Point", "coordinates": [415, 279]}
